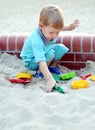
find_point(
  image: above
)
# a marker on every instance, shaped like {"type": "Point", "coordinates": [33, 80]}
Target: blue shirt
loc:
{"type": "Point", "coordinates": [36, 45]}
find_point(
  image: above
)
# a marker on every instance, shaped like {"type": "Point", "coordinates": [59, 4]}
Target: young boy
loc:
{"type": "Point", "coordinates": [40, 49]}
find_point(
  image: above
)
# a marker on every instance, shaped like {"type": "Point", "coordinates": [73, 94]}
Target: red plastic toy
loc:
{"type": "Point", "coordinates": [85, 76]}
{"type": "Point", "coordinates": [22, 81]}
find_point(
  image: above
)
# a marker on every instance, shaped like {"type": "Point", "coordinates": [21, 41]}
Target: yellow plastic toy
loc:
{"type": "Point", "coordinates": [92, 77]}
{"type": "Point", "coordinates": [80, 84]}
{"type": "Point", "coordinates": [24, 75]}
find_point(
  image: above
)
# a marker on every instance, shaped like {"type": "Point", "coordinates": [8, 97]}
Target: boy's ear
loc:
{"type": "Point", "coordinates": [40, 26]}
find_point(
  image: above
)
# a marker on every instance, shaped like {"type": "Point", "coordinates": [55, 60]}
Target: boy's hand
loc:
{"type": "Point", "coordinates": [73, 25]}
{"type": "Point", "coordinates": [50, 84]}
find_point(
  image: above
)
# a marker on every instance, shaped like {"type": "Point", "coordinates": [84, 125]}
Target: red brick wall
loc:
{"type": "Point", "coordinates": [81, 48]}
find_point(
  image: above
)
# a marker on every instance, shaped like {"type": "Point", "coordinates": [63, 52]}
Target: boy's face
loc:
{"type": "Point", "coordinates": [49, 32]}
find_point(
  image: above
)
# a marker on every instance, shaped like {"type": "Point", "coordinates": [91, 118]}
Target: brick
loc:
{"type": "Point", "coordinates": [93, 57]}
{"type": "Point", "coordinates": [76, 44]}
{"type": "Point", "coordinates": [93, 44]}
{"type": "Point", "coordinates": [20, 42]}
{"type": "Point", "coordinates": [3, 43]}
{"type": "Point", "coordinates": [86, 45]}
{"type": "Point", "coordinates": [68, 57]}
{"type": "Point", "coordinates": [73, 66]}
{"type": "Point", "coordinates": [11, 53]}
{"type": "Point", "coordinates": [67, 41]}
{"type": "Point", "coordinates": [11, 43]}
{"type": "Point", "coordinates": [83, 57]}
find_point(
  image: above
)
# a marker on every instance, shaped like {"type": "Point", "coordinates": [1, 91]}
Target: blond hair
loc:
{"type": "Point", "coordinates": [51, 15]}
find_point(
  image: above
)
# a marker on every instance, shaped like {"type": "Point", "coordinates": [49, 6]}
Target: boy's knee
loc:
{"type": "Point", "coordinates": [60, 50]}
{"type": "Point", "coordinates": [50, 55]}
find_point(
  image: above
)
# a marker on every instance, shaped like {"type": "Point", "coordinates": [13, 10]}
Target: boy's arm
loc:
{"type": "Point", "coordinates": [48, 76]}
{"type": "Point", "coordinates": [72, 26]}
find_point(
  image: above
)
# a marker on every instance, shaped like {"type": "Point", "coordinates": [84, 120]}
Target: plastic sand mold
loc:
{"type": "Point", "coordinates": [24, 75]}
{"type": "Point", "coordinates": [59, 89]}
{"type": "Point", "coordinates": [67, 76]}
{"type": "Point", "coordinates": [63, 77]}
{"type": "Point", "coordinates": [80, 84]}
{"type": "Point", "coordinates": [38, 75]}
{"type": "Point", "coordinates": [54, 69]}
{"type": "Point", "coordinates": [21, 81]}
{"type": "Point", "coordinates": [92, 77]}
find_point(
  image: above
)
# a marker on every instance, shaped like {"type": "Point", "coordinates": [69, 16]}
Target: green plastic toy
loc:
{"type": "Point", "coordinates": [67, 76]}
{"type": "Point", "coordinates": [64, 76]}
{"type": "Point", "coordinates": [59, 89]}
{"type": "Point", "coordinates": [56, 77]}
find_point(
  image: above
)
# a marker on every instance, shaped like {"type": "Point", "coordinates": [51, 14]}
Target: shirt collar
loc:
{"type": "Point", "coordinates": [46, 41]}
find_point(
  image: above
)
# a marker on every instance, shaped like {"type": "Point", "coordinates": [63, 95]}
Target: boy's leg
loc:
{"type": "Point", "coordinates": [59, 51]}
{"type": "Point", "coordinates": [49, 56]}
{"type": "Point", "coordinates": [32, 65]}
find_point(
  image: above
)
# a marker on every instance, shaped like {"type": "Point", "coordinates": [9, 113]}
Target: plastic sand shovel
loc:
{"type": "Point", "coordinates": [85, 76]}
{"type": "Point", "coordinates": [67, 76]}
{"type": "Point", "coordinates": [59, 89]}
{"type": "Point", "coordinates": [56, 77]}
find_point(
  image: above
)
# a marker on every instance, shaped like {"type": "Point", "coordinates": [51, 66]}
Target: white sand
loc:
{"type": "Point", "coordinates": [29, 107]}
{"type": "Point", "coordinates": [22, 15]}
